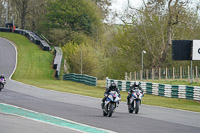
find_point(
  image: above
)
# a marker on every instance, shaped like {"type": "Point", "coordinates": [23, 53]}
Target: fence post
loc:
{"type": "Point", "coordinates": [147, 74]}
{"type": "Point", "coordinates": [193, 74]}
{"type": "Point", "coordinates": [65, 66]}
{"type": "Point", "coordinates": [152, 74]}
{"type": "Point", "coordinates": [197, 74]}
{"type": "Point", "coordinates": [173, 73]}
{"type": "Point", "coordinates": [188, 73]}
{"type": "Point", "coordinates": [159, 74]}
{"type": "Point", "coordinates": [181, 73]}
{"type": "Point", "coordinates": [135, 75]}
{"type": "Point", "coordinates": [126, 76]}
{"type": "Point", "coordinates": [166, 74]}
{"type": "Point", "coordinates": [130, 76]}
{"type": "Point", "coordinates": [140, 74]}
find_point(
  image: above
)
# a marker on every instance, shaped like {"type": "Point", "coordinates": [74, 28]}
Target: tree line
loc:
{"type": "Point", "coordinates": [100, 49]}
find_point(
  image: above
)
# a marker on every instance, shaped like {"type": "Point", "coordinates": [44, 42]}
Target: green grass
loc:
{"type": "Point", "coordinates": [176, 103]}
{"type": "Point", "coordinates": [35, 68]}
{"type": "Point", "coordinates": [175, 82]}
{"type": "Point", "coordinates": [67, 86]}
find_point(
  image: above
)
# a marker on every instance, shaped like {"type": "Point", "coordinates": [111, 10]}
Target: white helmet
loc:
{"type": "Point", "coordinates": [137, 83]}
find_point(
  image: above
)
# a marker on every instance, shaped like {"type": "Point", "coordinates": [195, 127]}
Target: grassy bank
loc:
{"type": "Point", "coordinates": [35, 68]}
{"type": "Point", "coordinates": [33, 63]}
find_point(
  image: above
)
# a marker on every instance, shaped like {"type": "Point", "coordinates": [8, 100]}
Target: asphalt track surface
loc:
{"type": "Point", "coordinates": [7, 58]}
{"type": "Point", "coordinates": [86, 110]}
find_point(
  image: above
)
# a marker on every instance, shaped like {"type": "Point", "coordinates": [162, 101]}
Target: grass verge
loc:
{"type": "Point", "coordinates": [35, 68]}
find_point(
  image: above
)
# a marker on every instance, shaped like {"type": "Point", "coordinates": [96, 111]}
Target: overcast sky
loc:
{"type": "Point", "coordinates": [120, 5]}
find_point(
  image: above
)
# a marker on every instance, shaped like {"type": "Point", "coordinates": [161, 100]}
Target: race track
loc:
{"type": "Point", "coordinates": [82, 109]}
{"type": "Point", "coordinates": [7, 58]}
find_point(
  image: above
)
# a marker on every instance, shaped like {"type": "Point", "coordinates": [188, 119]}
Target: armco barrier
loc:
{"type": "Point", "coordinates": [57, 60]}
{"type": "Point", "coordinates": [33, 37]}
{"type": "Point", "coordinates": [80, 78]}
{"type": "Point", "coordinates": [174, 91]}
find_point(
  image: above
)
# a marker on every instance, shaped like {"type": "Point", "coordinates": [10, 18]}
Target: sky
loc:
{"type": "Point", "coordinates": [120, 5]}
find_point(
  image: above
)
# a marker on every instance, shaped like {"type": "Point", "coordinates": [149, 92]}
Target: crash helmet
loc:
{"type": "Point", "coordinates": [137, 83]}
{"type": "Point", "coordinates": [113, 85]}
{"type": "Point", "coordinates": [1, 76]}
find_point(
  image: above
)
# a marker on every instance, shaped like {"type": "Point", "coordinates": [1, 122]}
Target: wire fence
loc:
{"type": "Point", "coordinates": [165, 73]}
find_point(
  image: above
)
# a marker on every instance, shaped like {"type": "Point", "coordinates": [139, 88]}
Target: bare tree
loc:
{"type": "Point", "coordinates": [1, 12]}
{"type": "Point", "coordinates": [22, 10]}
{"type": "Point", "coordinates": [154, 22]}
{"type": "Point", "coordinates": [36, 13]}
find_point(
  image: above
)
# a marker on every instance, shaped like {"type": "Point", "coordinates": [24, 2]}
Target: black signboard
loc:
{"type": "Point", "coordinates": [182, 49]}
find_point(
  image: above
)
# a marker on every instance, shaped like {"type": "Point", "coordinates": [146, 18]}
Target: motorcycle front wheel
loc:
{"type": "Point", "coordinates": [112, 106]}
{"type": "Point", "coordinates": [1, 86]}
{"type": "Point", "coordinates": [131, 107]}
{"type": "Point", "coordinates": [105, 113]}
{"type": "Point", "coordinates": [105, 110]}
{"type": "Point", "coordinates": [137, 107]}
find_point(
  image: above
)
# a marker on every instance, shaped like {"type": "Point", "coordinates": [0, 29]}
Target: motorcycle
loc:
{"type": "Point", "coordinates": [2, 83]}
{"type": "Point", "coordinates": [111, 103]}
{"type": "Point", "coordinates": [135, 101]}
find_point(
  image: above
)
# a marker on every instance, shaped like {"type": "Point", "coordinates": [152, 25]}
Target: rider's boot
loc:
{"type": "Point", "coordinates": [128, 101]}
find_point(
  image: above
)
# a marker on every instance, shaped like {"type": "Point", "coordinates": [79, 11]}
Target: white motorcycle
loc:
{"type": "Point", "coordinates": [135, 101]}
{"type": "Point", "coordinates": [111, 103]}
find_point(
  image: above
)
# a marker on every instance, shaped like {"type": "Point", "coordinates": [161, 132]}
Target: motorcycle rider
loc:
{"type": "Point", "coordinates": [132, 88]}
{"type": "Point", "coordinates": [112, 87]}
{"type": "Point", "coordinates": [2, 76]}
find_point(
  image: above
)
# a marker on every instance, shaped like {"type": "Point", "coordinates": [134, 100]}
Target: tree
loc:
{"type": "Point", "coordinates": [1, 12]}
{"type": "Point", "coordinates": [36, 14]}
{"type": "Point", "coordinates": [6, 11]}
{"type": "Point", "coordinates": [74, 16]}
{"type": "Point", "coordinates": [152, 27]}
{"type": "Point", "coordinates": [22, 10]}
{"type": "Point", "coordinates": [104, 5]}
{"type": "Point", "coordinates": [81, 58]}
{"type": "Point", "coordinates": [154, 24]}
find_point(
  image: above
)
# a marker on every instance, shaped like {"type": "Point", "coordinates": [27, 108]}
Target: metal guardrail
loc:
{"type": "Point", "coordinates": [33, 37]}
{"type": "Point", "coordinates": [85, 79]}
{"type": "Point", "coordinates": [57, 61]}
{"type": "Point", "coordinates": [174, 91]}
